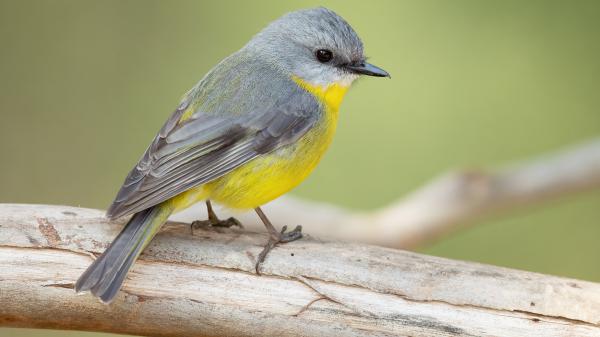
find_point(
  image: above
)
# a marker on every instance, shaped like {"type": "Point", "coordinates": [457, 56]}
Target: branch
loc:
{"type": "Point", "coordinates": [447, 203]}
{"type": "Point", "coordinates": [203, 285]}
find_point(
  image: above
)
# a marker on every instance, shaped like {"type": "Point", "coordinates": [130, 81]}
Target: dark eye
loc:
{"type": "Point", "coordinates": [324, 55]}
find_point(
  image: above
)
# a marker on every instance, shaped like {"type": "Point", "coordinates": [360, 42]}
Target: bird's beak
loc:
{"type": "Point", "coordinates": [364, 68]}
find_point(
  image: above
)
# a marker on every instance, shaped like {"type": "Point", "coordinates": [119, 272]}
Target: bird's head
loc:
{"type": "Point", "coordinates": [315, 45]}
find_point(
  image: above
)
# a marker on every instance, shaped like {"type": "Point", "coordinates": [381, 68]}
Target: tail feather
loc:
{"type": "Point", "coordinates": [116, 258]}
{"type": "Point", "coordinates": [106, 275]}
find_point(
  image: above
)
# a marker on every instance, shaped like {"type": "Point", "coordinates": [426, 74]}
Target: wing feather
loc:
{"type": "Point", "coordinates": [188, 153]}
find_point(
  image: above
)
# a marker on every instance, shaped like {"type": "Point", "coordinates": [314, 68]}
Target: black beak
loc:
{"type": "Point", "coordinates": [364, 68]}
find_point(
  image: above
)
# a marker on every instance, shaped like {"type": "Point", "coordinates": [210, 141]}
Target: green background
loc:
{"type": "Point", "coordinates": [84, 86]}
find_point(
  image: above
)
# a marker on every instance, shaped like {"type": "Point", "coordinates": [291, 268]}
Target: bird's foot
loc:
{"type": "Point", "coordinates": [215, 222]}
{"type": "Point", "coordinates": [275, 239]}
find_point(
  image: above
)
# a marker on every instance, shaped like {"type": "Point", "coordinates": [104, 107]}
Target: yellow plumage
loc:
{"type": "Point", "coordinates": [268, 177]}
{"type": "Point", "coordinates": [253, 111]}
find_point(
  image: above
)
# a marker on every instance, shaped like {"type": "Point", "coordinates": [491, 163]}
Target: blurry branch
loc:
{"type": "Point", "coordinates": [445, 204]}
{"type": "Point", "coordinates": [203, 285]}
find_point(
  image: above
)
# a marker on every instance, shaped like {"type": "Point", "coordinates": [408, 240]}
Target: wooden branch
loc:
{"type": "Point", "coordinates": [447, 203]}
{"type": "Point", "coordinates": [203, 285]}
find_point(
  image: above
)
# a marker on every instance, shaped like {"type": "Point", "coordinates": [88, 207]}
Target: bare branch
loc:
{"type": "Point", "coordinates": [203, 285]}
{"type": "Point", "coordinates": [445, 204]}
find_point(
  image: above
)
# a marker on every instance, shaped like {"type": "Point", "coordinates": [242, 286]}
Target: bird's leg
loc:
{"type": "Point", "coordinates": [275, 237]}
{"type": "Point", "coordinates": [213, 220]}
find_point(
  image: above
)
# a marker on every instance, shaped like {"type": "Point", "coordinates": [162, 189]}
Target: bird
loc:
{"type": "Point", "coordinates": [252, 129]}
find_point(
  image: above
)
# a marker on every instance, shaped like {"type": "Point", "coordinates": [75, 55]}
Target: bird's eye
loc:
{"type": "Point", "coordinates": [324, 55]}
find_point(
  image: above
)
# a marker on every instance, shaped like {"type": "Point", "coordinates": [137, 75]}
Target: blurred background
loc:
{"type": "Point", "coordinates": [85, 85]}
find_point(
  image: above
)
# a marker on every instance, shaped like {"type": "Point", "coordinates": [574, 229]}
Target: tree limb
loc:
{"type": "Point", "coordinates": [449, 202]}
{"type": "Point", "coordinates": [203, 285]}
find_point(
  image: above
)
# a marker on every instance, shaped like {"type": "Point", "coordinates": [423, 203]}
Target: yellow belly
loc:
{"type": "Point", "coordinates": [269, 176]}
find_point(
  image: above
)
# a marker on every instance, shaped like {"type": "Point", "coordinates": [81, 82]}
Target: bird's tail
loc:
{"type": "Point", "coordinates": [106, 275]}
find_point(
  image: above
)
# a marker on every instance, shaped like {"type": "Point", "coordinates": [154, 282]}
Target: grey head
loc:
{"type": "Point", "coordinates": [316, 45]}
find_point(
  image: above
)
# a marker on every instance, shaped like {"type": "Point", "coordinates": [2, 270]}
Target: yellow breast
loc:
{"type": "Point", "coordinates": [268, 177]}
{"type": "Point", "coordinates": [331, 95]}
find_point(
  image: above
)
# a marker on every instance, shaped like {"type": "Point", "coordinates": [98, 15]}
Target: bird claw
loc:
{"type": "Point", "coordinates": [274, 240]}
{"type": "Point", "coordinates": [290, 236]}
{"type": "Point", "coordinates": [231, 222]}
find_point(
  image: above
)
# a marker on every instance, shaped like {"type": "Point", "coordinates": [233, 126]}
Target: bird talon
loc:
{"type": "Point", "coordinates": [233, 222]}
{"type": "Point", "coordinates": [199, 224]}
{"type": "Point", "coordinates": [213, 220]}
{"type": "Point", "coordinates": [275, 239]}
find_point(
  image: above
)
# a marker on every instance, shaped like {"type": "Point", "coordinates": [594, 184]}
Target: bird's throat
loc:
{"type": "Point", "coordinates": [331, 95]}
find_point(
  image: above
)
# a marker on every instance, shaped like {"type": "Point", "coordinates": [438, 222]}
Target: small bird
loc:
{"type": "Point", "coordinates": [251, 130]}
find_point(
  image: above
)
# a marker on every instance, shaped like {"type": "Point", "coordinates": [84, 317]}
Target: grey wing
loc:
{"type": "Point", "coordinates": [204, 147]}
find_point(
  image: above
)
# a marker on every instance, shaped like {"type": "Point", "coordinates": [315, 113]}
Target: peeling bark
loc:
{"type": "Point", "coordinates": [204, 285]}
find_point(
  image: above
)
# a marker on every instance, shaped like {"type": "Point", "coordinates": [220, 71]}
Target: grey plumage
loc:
{"type": "Point", "coordinates": [291, 41]}
{"type": "Point", "coordinates": [246, 106]}
{"type": "Point", "coordinates": [221, 135]}
{"type": "Point", "coordinates": [106, 274]}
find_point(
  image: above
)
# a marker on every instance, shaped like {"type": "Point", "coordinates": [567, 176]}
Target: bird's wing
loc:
{"type": "Point", "coordinates": [188, 152]}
